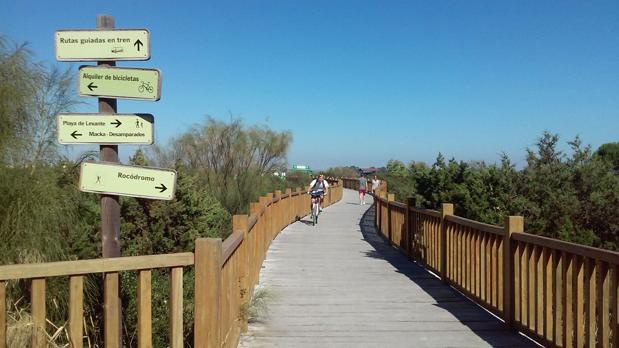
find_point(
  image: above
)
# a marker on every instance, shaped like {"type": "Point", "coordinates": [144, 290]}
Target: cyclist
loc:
{"type": "Point", "coordinates": [319, 186]}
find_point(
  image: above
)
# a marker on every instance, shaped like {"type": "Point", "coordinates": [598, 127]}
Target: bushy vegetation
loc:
{"type": "Point", "coordinates": [342, 172]}
{"type": "Point", "coordinates": [236, 162]}
{"type": "Point", "coordinates": [572, 197]}
{"type": "Point", "coordinates": [221, 168]}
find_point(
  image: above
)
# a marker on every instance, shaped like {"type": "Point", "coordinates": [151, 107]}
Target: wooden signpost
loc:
{"type": "Point", "coordinates": [109, 178]}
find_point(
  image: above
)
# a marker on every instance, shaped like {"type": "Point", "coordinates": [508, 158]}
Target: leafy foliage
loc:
{"type": "Point", "coordinates": [573, 198]}
{"type": "Point", "coordinates": [342, 172]}
{"type": "Point", "coordinates": [234, 162]}
{"type": "Point", "coordinates": [30, 97]}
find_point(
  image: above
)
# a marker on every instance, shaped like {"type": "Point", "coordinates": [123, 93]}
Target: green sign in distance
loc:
{"type": "Point", "coordinates": [134, 181]}
{"type": "Point", "coordinates": [126, 83]}
{"type": "Point", "coordinates": [119, 44]}
{"type": "Point", "coordinates": [105, 129]}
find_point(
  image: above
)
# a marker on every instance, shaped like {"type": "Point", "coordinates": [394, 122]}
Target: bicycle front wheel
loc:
{"type": "Point", "coordinates": [315, 213]}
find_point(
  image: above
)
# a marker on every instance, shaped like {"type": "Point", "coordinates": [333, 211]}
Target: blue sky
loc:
{"type": "Point", "coordinates": [361, 82]}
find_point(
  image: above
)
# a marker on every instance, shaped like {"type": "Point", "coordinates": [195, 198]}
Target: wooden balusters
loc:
{"type": "Point", "coordinates": [145, 336]}
{"type": "Point", "coordinates": [76, 311]}
{"type": "Point", "coordinates": [37, 299]}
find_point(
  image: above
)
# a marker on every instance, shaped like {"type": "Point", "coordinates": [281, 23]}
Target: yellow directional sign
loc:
{"type": "Point", "coordinates": [117, 179]}
{"type": "Point", "coordinates": [105, 128]}
{"type": "Point", "coordinates": [127, 83]}
{"type": "Point", "coordinates": [119, 44]}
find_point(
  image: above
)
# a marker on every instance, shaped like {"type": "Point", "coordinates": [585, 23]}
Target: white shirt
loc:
{"type": "Point", "coordinates": [314, 182]}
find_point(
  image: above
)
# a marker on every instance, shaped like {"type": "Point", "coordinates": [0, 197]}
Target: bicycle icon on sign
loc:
{"type": "Point", "coordinates": [145, 86]}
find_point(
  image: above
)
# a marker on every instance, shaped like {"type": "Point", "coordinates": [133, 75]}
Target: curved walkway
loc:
{"type": "Point", "coordinates": [339, 284]}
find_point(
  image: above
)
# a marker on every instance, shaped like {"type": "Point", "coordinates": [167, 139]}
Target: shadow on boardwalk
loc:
{"type": "Point", "coordinates": [483, 324]}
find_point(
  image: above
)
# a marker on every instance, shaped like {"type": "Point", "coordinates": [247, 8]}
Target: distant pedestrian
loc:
{"type": "Point", "coordinates": [363, 187]}
{"type": "Point", "coordinates": [375, 184]}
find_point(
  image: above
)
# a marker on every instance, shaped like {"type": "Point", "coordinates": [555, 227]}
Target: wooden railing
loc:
{"type": "Point", "coordinates": [558, 293]}
{"type": "Point", "coordinates": [225, 276]}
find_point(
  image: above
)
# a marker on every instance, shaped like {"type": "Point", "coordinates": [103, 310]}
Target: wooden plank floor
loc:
{"type": "Point", "coordinates": [338, 284]}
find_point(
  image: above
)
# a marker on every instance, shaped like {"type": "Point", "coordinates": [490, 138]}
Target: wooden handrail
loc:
{"type": "Point", "coordinates": [117, 264]}
{"type": "Point", "coordinates": [609, 256]}
{"type": "Point", "coordinates": [429, 212]}
{"type": "Point", "coordinates": [398, 204]}
{"type": "Point", "coordinates": [498, 230]}
{"type": "Point", "coordinates": [229, 246]}
{"type": "Point", "coordinates": [251, 222]}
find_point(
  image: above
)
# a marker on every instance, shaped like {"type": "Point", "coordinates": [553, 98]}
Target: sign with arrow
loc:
{"type": "Point", "coordinates": [107, 129]}
{"type": "Point", "coordinates": [135, 181]}
{"type": "Point", "coordinates": [113, 82]}
{"type": "Point", "coordinates": [118, 44]}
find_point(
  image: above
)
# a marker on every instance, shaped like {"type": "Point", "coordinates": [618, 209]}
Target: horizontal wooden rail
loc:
{"type": "Point", "coordinates": [80, 267]}
{"type": "Point", "coordinates": [559, 293]}
{"type": "Point", "coordinates": [398, 205]}
{"type": "Point", "coordinates": [609, 256]}
{"type": "Point", "coordinates": [253, 220]}
{"type": "Point", "coordinates": [476, 225]}
{"type": "Point", "coordinates": [230, 245]}
{"type": "Point", "coordinates": [427, 212]}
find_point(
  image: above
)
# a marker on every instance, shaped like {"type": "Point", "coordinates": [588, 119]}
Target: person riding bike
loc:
{"type": "Point", "coordinates": [319, 187]}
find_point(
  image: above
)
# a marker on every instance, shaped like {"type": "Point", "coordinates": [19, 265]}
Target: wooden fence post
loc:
{"type": "Point", "coordinates": [290, 215]}
{"type": "Point", "coordinates": [446, 209]}
{"type": "Point", "coordinates": [270, 217]}
{"type": "Point", "coordinates": [512, 224]}
{"type": "Point", "coordinates": [410, 202]}
{"type": "Point", "coordinates": [390, 198]}
{"type": "Point", "coordinates": [379, 212]}
{"type": "Point", "coordinates": [207, 266]}
{"type": "Point", "coordinates": [277, 218]}
{"type": "Point", "coordinates": [297, 204]}
{"type": "Point", "coordinates": [239, 223]}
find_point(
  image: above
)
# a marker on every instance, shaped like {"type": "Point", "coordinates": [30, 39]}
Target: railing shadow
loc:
{"type": "Point", "coordinates": [483, 324]}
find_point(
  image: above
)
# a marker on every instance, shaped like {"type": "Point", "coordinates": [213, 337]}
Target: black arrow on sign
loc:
{"type": "Point", "coordinates": [161, 188]}
{"type": "Point", "coordinates": [75, 134]}
{"type": "Point", "coordinates": [91, 86]}
{"type": "Point", "coordinates": [117, 123]}
{"type": "Point", "coordinates": [138, 43]}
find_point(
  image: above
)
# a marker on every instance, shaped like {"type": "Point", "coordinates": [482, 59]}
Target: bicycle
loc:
{"type": "Point", "coordinates": [316, 195]}
{"type": "Point", "coordinates": [147, 86]}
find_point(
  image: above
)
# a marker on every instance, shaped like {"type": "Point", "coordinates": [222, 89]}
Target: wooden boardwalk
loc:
{"type": "Point", "coordinates": [339, 284]}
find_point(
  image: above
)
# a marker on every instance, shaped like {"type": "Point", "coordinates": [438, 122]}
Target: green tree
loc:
{"type": "Point", "coordinates": [396, 168]}
{"type": "Point", "coordinates": [31, 96]}
{"type": "Point", "coordinates": [609, 152]}
{"type": "Point", "coordinates": [571, 197]}
{"type": "Point", "coordinates": [234, 162]}
{"type": "Point", "coordinates": [342, 172]}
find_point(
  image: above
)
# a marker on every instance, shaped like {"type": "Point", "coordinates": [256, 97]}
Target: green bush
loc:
{"type": "Point", "coordinates": [573, 198]}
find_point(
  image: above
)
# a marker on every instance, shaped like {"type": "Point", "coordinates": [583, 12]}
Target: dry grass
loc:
{"type": "Point", "coordinates": [20, 330]}
{"type": "Point", "coordinates": [258, 308]}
